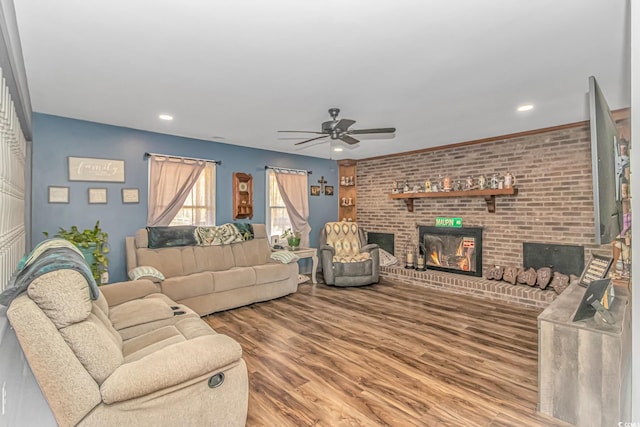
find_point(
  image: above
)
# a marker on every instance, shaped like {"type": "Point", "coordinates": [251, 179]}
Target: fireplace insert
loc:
{"type": "Point", "coordinates": [454, 250]}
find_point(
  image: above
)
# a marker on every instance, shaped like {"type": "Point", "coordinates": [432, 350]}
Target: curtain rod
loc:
{"type": "Point", "coordinates": [288, 169]}
{"type": "Point", "coordinates": [217, 162]}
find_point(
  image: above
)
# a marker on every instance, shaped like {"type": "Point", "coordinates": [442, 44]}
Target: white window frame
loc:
{"type": "Point", "coordinates": [270, 179]}
{"type": "Point", "coordinates": [212, 198]}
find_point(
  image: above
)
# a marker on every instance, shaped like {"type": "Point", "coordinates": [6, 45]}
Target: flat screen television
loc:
{"type": "Point", "coordinates": [607, 167]}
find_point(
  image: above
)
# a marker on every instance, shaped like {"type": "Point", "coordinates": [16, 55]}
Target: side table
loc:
{"type": "Point", "coordinates": [309, 253]}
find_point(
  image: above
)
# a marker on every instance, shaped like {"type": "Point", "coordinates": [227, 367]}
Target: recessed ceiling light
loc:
{"type": "Point", "coordinates": [337, 149]}
{"type": "Point", "coordinates": [525, 107]}
{"type": "Point", "coordinates": [166, 117]}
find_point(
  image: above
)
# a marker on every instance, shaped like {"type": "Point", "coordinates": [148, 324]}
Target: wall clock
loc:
{"type": "Point", "coordinates": [242, 195]}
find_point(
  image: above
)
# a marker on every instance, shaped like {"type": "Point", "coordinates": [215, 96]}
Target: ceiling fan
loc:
{"type": "Point", "coordinates": [339, 129]}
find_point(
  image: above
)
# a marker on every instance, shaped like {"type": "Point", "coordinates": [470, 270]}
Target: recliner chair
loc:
{"type": "Point", "coordinates": [346, 258]}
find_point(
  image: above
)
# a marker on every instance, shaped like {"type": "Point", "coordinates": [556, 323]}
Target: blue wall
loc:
{"type": "Point", "coordinates": [56, 138]}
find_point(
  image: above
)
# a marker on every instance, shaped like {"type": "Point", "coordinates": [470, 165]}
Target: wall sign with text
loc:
{"type": "Point", "coordinates": [92, 169]}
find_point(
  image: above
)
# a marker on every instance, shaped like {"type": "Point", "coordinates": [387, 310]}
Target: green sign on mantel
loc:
{"type": "Point", "coordinates": [448, 222]}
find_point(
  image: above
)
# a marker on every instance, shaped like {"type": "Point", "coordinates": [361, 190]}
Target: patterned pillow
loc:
{"type": "Point", "coordinates": [146, 272]}
{"type": "Point", "coordinates": [284, 257]}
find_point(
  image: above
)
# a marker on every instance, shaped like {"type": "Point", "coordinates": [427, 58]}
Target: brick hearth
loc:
{"type": "Point", "coordinates": [534, 298]}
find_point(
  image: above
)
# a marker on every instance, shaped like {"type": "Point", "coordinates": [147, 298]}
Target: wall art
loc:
{"type": "Point", "coordinates": [92, 169]}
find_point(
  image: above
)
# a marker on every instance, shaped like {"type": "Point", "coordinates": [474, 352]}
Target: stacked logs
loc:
{"type": "Point", "coordinates": [543, 277]}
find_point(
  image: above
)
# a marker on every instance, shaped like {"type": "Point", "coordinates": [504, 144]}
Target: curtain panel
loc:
{"type": "Point", "coordinates": [293, 188]}
{"type": "Point", "coordinates": [170, 182]}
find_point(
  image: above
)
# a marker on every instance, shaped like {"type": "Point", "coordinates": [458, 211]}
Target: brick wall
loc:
{"type": "Point", "coordinates": [554, 203]}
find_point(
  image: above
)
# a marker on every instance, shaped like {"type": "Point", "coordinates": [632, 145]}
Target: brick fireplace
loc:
{"type": "Point", "coordinates": [554, 203]}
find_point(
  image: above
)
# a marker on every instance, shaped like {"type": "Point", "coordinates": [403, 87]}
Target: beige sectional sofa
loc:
{"type": "Point", "coordinates": [216, 277]}
{"type": "Point", "coordinates": [130, 357]}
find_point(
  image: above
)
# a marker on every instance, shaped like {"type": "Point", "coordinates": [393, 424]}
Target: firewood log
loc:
{"type": "Point", "coordinates": [510, 274]}
{"type": "Point", "coordinates": [544, 277]}
{"type": "Point", "coordinates": [495, 272]}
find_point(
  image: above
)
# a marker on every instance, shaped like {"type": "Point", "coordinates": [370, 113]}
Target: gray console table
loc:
{"type": "Point", "coordinates": [584, 367]}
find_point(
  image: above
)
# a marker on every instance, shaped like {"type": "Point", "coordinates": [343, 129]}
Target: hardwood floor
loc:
{"type": "Point", "coordinates": [387, 354]}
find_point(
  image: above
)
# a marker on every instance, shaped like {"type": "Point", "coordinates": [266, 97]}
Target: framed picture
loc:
{"type": "Point", "coordinates": [58, 194]}
{"type": "Point", "coordinates": [328, 190]}
{"type": "Point", "coordinates": [97, 195]}
{"type": "Point", "coordinates": [130, 195]}
{"type": "Point", "coordinates": [90, 169]}
{"type": "Point", "coordinates": [315, 190]}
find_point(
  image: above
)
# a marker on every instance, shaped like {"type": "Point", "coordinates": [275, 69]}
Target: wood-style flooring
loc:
{"type": "Point", "coordinates": [387, 354]}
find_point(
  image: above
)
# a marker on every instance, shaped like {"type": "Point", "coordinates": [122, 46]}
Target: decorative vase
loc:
{"type": "Point", "coordinates": [294, 242]}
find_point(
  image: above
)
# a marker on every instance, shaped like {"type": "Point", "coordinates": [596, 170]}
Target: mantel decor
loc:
{"type": "Point", "coordinates": [488, 194]}
{"type": "Point", "coordinates": [92, 169]}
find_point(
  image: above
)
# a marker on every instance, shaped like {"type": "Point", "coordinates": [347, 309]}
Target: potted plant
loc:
{"type": "Point", "coordinates": [293, 238]}
{"type": "Point", "coordinates": [93, 243]}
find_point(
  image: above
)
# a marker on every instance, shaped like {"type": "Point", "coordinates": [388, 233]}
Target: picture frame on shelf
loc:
{"type": "Point", "coordinates": [315, 190]}
{"type": "Point", "coordinates": [58, 194]}
{"type": "Point", "coordinates": [328, 190]}
{"type": "Point", "coordinates": [130, 195]}
{"type": "Point", "coordinates": [97, 195]}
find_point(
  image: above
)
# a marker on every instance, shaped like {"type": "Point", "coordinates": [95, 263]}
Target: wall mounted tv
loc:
{"type": "Point", "coordinates": [607, 167]}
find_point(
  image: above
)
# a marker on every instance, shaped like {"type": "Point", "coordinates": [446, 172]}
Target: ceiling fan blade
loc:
{"type": "Point", "coordinates": [343, 124]}
{"type": "Point", "coordinates": [300, 131]}
{"type": "Point", "coordinates": [309, 140]}
{"type": "Point", "coordinates": [348, 139]}
{"type": "Point", "coordinates": [379, 130]}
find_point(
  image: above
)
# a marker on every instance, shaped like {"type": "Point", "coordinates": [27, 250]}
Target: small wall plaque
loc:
{"type": "Point", "coordinates": [58, 194]}
{"type": "Point", "coordinates": [97, 195]}
{"type": "Point", "coordinates": [130, 195]}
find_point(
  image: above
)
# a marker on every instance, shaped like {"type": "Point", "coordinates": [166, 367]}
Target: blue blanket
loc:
{"type": "Point", "coordinates": [50, 255]}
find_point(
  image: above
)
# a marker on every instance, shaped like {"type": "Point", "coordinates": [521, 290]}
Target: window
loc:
{"type": "Point", "coordinates": [200, 206]}
{"type": "Point", "coordinates": [277, 216]}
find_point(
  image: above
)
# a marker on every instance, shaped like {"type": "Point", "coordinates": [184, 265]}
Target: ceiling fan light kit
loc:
{"type": "Point", "coordinates": [339, 130]}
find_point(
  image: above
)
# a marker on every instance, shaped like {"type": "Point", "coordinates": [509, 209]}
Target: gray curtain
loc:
{"type": "Point", "coordinates": [170, 181]}
{"type": "Point", "coordinates": [293, 189]}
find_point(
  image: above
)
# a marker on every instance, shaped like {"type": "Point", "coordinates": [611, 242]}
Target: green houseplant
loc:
{"type": "Point", "coordinates": [93, 243]}
{"type": "Point", "coordinates": [293, 238]}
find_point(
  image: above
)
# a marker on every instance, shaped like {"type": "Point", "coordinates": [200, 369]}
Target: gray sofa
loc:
{"type": "Point", "coordinates": [216, 277]}
{"type": "Point", "coordinates": [130, 357]}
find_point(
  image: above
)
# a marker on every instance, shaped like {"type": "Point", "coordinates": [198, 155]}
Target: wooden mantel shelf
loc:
{"type": "Point", "coordinates": [488, 194]}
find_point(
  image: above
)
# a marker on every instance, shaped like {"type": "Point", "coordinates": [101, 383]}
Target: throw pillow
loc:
{"type": "Point", "coordinates": [165, 237]}
{"type": "Point", "coordinates": [146, 272]}
{"type": "Point", "coordinates": [284, 257]}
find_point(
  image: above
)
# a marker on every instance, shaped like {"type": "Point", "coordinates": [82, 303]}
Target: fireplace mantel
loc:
{"type": "Point", "coordinates": [488, 194]}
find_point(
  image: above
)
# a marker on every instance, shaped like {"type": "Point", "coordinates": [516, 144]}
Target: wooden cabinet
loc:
{"type": "Point", "coordinates": [583, 367]}
{"type": "Point", "coordinates": [347, 190]}
{"type": "Point", "coordinates": [242, 195]}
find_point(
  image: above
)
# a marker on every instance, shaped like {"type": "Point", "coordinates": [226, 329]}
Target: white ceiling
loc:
{"type": "Point", "coordinates": [235, 71]}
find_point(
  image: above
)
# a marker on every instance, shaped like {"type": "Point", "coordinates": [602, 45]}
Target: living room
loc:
{"type": "Point", "coordinates": [551, 163]}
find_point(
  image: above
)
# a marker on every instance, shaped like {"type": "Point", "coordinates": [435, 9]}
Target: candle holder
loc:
{"type": "Point", "coordinates": [409, 255]}
{"type": "Point", "coordinates": [421, 258]}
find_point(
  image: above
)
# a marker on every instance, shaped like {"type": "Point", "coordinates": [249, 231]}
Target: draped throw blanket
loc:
{"type": "Point", "coordinates": [224, 234]}
{"type": "Point", "coordinates": [50, 255]}
{"type": "Point", "coordinates": [189, 235]}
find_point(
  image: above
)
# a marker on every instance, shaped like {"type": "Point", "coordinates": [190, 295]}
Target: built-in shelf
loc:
{"type": "Point", "coordinates": [347, 190]}
{"type": "Point", "coordinates": [488, 194]}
